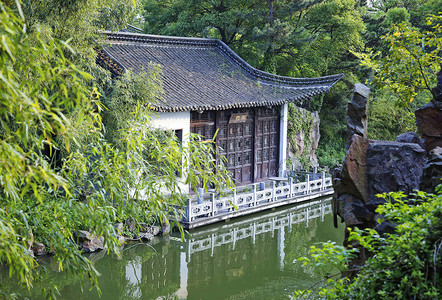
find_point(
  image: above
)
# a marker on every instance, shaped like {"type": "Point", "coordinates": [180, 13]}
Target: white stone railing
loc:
{"type": "Point", "coordinates": [255, 197]}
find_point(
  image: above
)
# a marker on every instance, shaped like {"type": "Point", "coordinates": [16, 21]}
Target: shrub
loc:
{"type": "Point", "coordinates": [403, 265]}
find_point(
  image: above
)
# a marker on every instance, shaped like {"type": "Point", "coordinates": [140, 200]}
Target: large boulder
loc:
{"type": "Point", "coordinates": [429, 124]}
{"type": "Point", "coordinates": [357, 113]}
{"type": "Point", "coordinates": [354, 169]}
{"type": "Point", "coordinates": [89, 242]}
{"type": "Point", "coordinates": [353, 211]}
{"type": "Point", "coordinates": [432, 173]}
{"type": "Point", "coordinates": [410, 137]}
{"type": "Point", "coordinates": [393, 166]}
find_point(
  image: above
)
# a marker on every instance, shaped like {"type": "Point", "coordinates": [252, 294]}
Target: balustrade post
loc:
{"type": "Point", "coordinates": [291, 186]}
{"type": "Point", "coordinates": [200, 193]}
{"type": "Point", "coordinates": [234, 237]}
{"type": "Point", "coordinates": [307, 191]}
{"type": "Point", "coordinates": [189, 201]}
{"type": "Point", "coordinates": [273, 191]}
{"type": "Point", "coordinates": [234, 200]}
{"type": "Point", "coordinates": [254, 194]}
{"type": "Point", "coordinates": [323, 180]}
{"type": "Point", "coordinates": [212, 199]}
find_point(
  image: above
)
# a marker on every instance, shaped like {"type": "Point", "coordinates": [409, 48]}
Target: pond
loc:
{"type": "Point", "coordinates": [255, 257]}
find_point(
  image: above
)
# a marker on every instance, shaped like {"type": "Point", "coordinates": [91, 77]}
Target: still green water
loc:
{"type": "Point", "coordinates": [254, 257]}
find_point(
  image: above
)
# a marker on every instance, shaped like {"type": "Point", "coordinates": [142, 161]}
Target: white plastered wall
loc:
{"type": "Point", "coordinates": [283, 139]}
{"type": "Point", "coordinates": [174, 121]}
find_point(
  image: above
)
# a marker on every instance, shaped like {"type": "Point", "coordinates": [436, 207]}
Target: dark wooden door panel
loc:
{"type": "Point", "coordinates": [266, 143]}
{"type": "Point", "coordinates": [248, 138]}
{"type": "Point", "coordinates": [235, 136]}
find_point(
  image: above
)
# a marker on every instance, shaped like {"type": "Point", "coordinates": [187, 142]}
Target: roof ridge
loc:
{"type": "Point", "coordinates": [239, 61]}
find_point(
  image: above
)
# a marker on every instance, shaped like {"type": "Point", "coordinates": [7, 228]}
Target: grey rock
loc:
{"type": "Point", "coordinates": [38, 249]}
{"type": "Point", "coordinates": [165, 228]}
{"type": "Point", "coordinates": [432, 173]}
{"type": "Point", "coordinates": [429, 125]}
{"type": "Point", "coordinates": [151, 229]}
{"type": "Point", "coordinates": [393, 166]}
{"type": "Point", "coordinates": [130, 224]}
{"type": "Point", "coordinates": [411, 137]}
{"type": "Point", "coordinates": [357, 113]}
{"type": "Point", "coordinates": [383, 226]}
{"type": "Point", "coordinates": [119, 227]}
{"type": "Point", "coordinates": [146, 236]}
{"type": "Point", "coordinates": [155, 230]}
{"type": "Point", "coordinates": [89, 242]}
{"type": "Point", "coordinates": [353, 211]}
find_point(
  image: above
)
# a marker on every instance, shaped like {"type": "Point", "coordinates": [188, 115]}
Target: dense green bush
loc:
{"type": "Point", "coordinates": [48, 105]}
{"type": "Point", "coordinates": [404, 265]}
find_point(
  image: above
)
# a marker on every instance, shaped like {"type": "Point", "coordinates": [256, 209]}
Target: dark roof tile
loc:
{"type": "Point", "coordinates": [204, 73]}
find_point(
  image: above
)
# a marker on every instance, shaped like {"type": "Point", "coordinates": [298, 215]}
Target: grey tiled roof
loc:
{"type": "Point", "coordinates": [205, 74]}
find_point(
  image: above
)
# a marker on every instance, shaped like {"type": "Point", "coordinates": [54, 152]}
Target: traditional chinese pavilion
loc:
{"type": "Point", "coordinates": [208, 87]}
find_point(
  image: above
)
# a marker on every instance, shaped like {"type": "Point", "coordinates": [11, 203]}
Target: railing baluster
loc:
{"type": "Point", "coordinates": [291, 187]}
{"type": "Point", "coordinates": [254, 194]}
{"type": "Point", "coordinates": [190, 209]}
{"type": "Point", "coordinates": [212, 199]}
{"type": "Point", "coordinates": [323, 180]}
{"type": "Point", "coordinates": [234, 200]}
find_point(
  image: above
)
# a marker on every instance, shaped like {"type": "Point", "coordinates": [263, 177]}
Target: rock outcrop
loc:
{"type": "Point", "coordinates": [90, 242]}
{"type": "Point", "coordinates": [357, 113]}
{"type": "Point", "coordinates": [393, 166]}
{"type": "Point", "coordinates": [432, 173]}
{"type": "Point", "coordinates": [374, 167]}
{"type": "Point", "coordinates": [429, 124]}
{"type": "Point", "coordinates": [303, 141]}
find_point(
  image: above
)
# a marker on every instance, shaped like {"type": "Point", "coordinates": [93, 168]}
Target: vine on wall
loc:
{"type": "Point", "coordinates": [300, 125]}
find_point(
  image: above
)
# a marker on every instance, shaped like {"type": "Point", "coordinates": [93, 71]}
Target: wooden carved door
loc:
{"type": "Point", "coordinates": [235, 138]}
{"type": "Point", "coordinates": [266, 143]}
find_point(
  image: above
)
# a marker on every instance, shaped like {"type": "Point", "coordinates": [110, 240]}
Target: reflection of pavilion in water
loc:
{"type": "Point", "coordinates": [201, 266]}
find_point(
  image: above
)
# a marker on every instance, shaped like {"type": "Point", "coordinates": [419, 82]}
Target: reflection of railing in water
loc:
{"type": "Point", "coordinates": [268, 224]}
{"type": "Point", "coordinates": [257, 199]}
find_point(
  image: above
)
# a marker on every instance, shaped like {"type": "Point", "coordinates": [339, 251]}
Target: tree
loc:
{"type": "Point", "coordinates": [49, 103]}
{"type": "Point", "coordinates": [291, 38]}
{"type": "Point", "coordinates": [404, 71]}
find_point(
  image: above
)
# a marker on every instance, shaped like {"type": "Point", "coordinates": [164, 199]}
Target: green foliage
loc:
{"type": "Point", "coordinates": [331, 153]}
{"type": "Point", "coordinates": [332, 145]}
{"type": "Point", "coordinates": [38, 85]}
{"type": "Point", "coordinates": [128, 93]}
{"type": "Point", "coordinates": [49, 106]}
{"type": "Point", "coordinates": [292, 38]}
{"type": "Point", "coordinates": [386, 120]}
{"type": "Point", "coordinates": [78, 21]}
{"type": "Point", "coordinates": [403, 265]}
{"type": "Point", "coordinates": [300, 123]}
{"type": "Point", "coordinates": [411, 61]}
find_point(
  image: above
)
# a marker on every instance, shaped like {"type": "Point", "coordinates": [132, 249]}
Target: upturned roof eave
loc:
{"type": "Point", "coordinates": [240, 62]}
